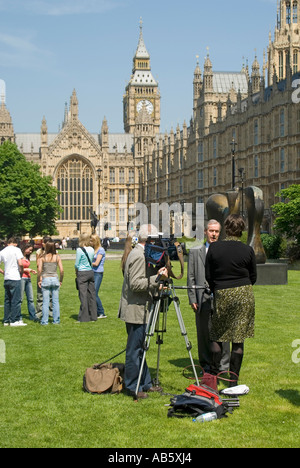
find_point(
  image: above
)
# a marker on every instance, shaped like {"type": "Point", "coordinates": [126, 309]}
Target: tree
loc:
{"type": "Point", "coordinates": [28, 201]}
{"type": "Point", "coordinates": [288, 213]}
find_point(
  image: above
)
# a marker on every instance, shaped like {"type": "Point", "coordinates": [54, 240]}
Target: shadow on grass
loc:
{"type": "Point", "coordinates": [187, 369]}
{"type": "Point", "coordinates": [293, 396]}
{"type": "Point", "coordinates": [182, 362]}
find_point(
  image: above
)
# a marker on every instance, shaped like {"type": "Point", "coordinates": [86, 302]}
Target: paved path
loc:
{"type": "Point", "coordinates": [72, 256]}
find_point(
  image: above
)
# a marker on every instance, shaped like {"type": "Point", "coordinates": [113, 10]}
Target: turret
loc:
{"type": "Point", "coordinates": [74, 106]}
{"type": "Point", "coordinates": [255, 76]}
{"type": "Point", "coordinates": [197, 85]}
{"type": "Point", "coordinates": [6, 125]}
{"type": "Point", "coordinates": [283, 52]}
{"type": "Point", "coordinates": [44, 133]}
{"type": "Point", "coordinates": [208, 75]}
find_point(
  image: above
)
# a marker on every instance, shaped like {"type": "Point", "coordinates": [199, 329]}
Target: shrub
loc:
{"type": "Point", "coordinates": [272, 245]}
{"type": "Point", "coordinates": [293, 251]}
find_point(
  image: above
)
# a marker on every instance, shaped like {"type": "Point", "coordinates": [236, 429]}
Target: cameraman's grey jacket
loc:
{"type": "Point", "coordinates": [138, 289]}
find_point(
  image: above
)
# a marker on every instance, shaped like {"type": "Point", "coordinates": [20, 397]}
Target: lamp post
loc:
{"type": "Point", "coordinates": [242, 172]}
{"type": "Point", "coordinates": [182, 203]}
{"type": "Point", "coordinates": [233, 146]}
{"type": "Point", "coordinates": [128, 218]}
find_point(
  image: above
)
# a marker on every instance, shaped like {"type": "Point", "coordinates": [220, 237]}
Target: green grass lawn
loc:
{"type": "Point", "coordinates": [42, 403]}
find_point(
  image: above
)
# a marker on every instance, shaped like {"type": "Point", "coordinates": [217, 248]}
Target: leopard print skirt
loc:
{"type": "Point", "coordinates": [234, 315]}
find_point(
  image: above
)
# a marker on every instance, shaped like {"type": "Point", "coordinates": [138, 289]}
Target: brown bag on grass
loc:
{"type": "Point", "coordinates": [103, 378]}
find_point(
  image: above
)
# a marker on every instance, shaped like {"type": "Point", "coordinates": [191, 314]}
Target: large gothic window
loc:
{"type": "Point", "coordinates": [75, 183]}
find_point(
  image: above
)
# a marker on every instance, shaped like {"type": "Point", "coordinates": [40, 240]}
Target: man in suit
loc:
{"type": "Point", "coordinates": [201, 300]}
{"type": "Point", "coordinates": [139, 286]}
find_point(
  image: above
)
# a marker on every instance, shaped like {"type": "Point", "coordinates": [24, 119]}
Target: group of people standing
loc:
{"type": "Point", "coordinates": [220, 278]}
{"type": "Point", "coordinates": [89, 268]}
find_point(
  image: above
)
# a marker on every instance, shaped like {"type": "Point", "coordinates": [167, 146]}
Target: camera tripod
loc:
{"type": "Point", "coordinates": [161, 306]}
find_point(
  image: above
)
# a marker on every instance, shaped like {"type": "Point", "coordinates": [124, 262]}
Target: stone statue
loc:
{"type": "Point", "coordinates": [255, 209]}
{"type": "Point", "coordinates": [219, 206]}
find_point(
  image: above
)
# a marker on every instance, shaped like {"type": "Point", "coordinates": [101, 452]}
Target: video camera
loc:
{"type": "Point", "coordinates": [160, 251]}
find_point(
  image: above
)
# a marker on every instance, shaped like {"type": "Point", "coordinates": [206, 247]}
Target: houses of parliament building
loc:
{"type": "Point", "coordinates": [251, 116]}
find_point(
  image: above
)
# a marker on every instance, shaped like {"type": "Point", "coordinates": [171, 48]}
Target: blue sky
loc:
{"type": "Point", "coordinates": [50, 47]}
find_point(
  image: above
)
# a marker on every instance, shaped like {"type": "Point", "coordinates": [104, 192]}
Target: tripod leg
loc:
{"type": "Point", "coordinates": [149, 332]}
{"type": "Point", "coordinates": [161, 328]}
{"type": "Point", "coordinates": [156, 379]}
{"type": "Point", "coordinates": [184, 333]}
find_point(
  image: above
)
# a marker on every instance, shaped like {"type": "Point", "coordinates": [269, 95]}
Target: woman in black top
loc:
{"type": "Point", "coordinates": [231, 271]}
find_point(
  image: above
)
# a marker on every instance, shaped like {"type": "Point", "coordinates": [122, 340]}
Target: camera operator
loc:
{"type": "Point", "coordinates": [139, 286]}
{"type": "Point", "coordinates": [200, 299]}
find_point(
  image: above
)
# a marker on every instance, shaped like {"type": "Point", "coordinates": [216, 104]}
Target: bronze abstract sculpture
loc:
{"type": "Point", "coordinates": [219, 206]}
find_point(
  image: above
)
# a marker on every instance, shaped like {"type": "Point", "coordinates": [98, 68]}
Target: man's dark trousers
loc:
{"type": "Point", "coordinates": [134, 355]}
{"type": "Point", "coordinates": [12, 301]}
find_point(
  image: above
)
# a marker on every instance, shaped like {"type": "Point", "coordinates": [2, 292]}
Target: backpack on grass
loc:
{"type": "Point", "coordinates": [197, 400]}
{"type": "Point", "coordinates": [104, 378]}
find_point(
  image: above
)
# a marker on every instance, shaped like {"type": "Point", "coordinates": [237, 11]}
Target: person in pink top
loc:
{"type": "Point", "coordinates": [26, 285]}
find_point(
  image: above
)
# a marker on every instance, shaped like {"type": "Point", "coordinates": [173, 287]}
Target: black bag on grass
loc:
{"type": "Point", "coordinates": [196, 401]}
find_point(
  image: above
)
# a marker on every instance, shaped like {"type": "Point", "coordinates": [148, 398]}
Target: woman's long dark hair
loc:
{"type": "Point", "coordinates": [50, 248]}
{"type": "Point", "coordinates": [127, 250]}
{"type": "Point", "coordinates": [24, 248]}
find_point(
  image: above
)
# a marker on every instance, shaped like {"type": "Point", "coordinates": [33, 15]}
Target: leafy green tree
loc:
{"type": "Point", "coordinates": [28, 201]}
{"type": "Point", "coordinates": [288, 213]}
{"type": "Point", "coordinates": [273, 245]}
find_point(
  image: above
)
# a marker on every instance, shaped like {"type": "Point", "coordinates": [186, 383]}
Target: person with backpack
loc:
{"type": "Point", "coordinates": [98, 267]}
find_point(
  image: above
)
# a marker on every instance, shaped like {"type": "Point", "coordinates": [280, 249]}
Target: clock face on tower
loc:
{"type": "Point", "coordinates": [148, 104]}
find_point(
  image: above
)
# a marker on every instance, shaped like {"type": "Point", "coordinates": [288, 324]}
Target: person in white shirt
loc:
{"type": "Point", "coordinates": [11, 257]}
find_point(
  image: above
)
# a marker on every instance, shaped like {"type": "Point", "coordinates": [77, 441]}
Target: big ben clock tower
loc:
{"type": "Point", "coordinates": [142, 97]}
